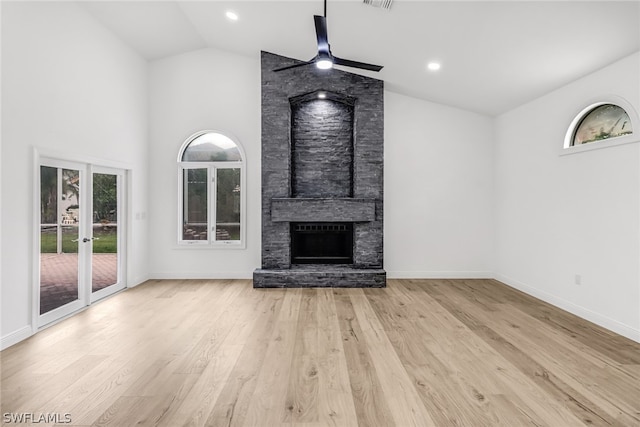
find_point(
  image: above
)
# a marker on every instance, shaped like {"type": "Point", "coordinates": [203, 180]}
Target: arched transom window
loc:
{"type": "Point", "coordinates": [211, 190]}
{"type": "Point", "coordinates": [606, 123]}
{"type": "Point", "coordinates": [602, 122]}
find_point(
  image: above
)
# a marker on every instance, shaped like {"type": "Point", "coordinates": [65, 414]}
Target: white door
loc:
{"type": "Point", "coordinates": [81, 236]}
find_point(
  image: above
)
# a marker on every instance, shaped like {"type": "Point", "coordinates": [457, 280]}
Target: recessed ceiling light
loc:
{"type": "Point", "coordinates": [433, 66]}
{"type": "Point", "coordinates": [231, 16]}
{"type": "Point", "coordinates": [322, 95]}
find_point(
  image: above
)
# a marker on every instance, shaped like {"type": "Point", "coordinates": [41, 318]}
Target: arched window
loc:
{"type": "Point", "coordinates": [601, 122]}
{"type": "Point", "coordinates": [211, 190]}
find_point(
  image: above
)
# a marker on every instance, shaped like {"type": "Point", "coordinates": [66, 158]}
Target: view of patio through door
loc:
{"type": "Point", "coordinates": [104, 258]}
{"type": "Point", "coordinates": [80, 236]}
{"type": "Point", "coordinates": [59, 234]}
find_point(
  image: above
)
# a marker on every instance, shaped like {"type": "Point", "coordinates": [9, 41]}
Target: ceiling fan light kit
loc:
{"type": "Point", "coordinates": [325, 60]}
{"type": "Point", "coordinates": [324, 64]}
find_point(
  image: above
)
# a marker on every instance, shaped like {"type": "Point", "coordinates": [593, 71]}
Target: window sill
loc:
{"type": "Point", "coordinates": [206, 246]}
{"type": "Point", "coordinates": [623, 140]}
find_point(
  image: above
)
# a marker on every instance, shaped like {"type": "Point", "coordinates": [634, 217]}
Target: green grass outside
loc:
{"type": "Point", "coordinates": [105, 242]}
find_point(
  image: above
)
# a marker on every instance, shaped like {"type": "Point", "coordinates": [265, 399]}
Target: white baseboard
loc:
{"type": "Point", "coordinates": [390, 274]}
{"type": "Point", "coordinates": [439, 275]}
{"type": "Point", "coordinates": [597, 318]}
{"type": "Point", "coordinates": [138, 281]}
{"type": "Point", "coordinates": [177, 275]}
{"type": "Point", "coordinates": [15, 337]}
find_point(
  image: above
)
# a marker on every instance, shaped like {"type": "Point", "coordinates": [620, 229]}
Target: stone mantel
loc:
{"type": "Point", "coordinates": [323, 210]}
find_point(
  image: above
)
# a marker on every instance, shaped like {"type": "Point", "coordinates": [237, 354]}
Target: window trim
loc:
{"type": "Point", "coordinates": [567, 148]}
{"type": "Point", "coordinates": [211, 194]}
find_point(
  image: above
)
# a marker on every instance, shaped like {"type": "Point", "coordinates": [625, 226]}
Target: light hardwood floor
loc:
{"type": "Point", "coordinates": [420, 352]}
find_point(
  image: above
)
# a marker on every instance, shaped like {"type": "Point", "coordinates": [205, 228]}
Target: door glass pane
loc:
{"type": "Point", "coordinates": [195, 204]}
{"type": "Point", "coordinates": [228, 204]}
{"type": "Point", "coordinates": [59, 225]}
{"type": "Point", "coordinates": [104, 258]}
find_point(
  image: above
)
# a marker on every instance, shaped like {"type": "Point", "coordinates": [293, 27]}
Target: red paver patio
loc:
{"type": "Point", "coordinates": [59, 277]}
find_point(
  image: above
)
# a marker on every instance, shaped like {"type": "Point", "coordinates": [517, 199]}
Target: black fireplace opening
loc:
{"type": "Point", "coordinates": [322, 243]}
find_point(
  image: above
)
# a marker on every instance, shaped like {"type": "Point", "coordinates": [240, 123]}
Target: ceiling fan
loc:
{"type": "Point", "coordinates": [325, 59]}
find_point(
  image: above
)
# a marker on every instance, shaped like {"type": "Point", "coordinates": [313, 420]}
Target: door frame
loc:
{"type": "Point", "coordinates": [86, 165]}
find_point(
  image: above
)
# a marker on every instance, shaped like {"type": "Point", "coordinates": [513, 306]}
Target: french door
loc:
{"type": "Point", "coordinates": [81, 236]}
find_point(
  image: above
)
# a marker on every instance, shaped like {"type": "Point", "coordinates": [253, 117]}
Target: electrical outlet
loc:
{"type": "Point", "coordinates": [578, 280]}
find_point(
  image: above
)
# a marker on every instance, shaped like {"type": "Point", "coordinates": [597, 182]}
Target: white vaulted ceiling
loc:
{"type": "Point", "coordinates": [495, 55]}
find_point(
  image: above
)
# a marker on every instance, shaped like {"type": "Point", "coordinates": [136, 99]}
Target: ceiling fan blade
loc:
{"type": "Point", "coordinates": [356, 64]}
{"type": "Point", "coordinates": [299, 64]}
{"type": "Point", "coordinates": [321, 33]}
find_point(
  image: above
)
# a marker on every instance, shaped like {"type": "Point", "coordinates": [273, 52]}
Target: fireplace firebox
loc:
{"type": "Point", "coordinates": [321, 243]}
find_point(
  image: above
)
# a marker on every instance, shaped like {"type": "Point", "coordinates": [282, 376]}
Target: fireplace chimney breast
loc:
{"type": "Point", "coordinates": [322, 178]}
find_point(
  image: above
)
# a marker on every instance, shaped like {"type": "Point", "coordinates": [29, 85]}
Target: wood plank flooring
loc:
{"type": "Point", "coordinates": [417, 353]}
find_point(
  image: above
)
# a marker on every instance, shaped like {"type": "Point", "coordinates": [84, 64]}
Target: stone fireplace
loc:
{"type": "Point", "coordinates": [322, 183]}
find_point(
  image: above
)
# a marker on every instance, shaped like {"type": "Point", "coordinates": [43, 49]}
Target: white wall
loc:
{"type": "Point", "coordinates": [561, 216]}
{"type": "Point", "coordinates": [69, 86]}
{"type": "Point", "coordinates": [438, 188]}
{"type": "Point", "coordinates": [206, 89]}
{"type": "Point", "coordinates": [438, 192]}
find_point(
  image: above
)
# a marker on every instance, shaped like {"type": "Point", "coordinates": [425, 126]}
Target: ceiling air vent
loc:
{"type": "Point", "coordinates": [383, 4]}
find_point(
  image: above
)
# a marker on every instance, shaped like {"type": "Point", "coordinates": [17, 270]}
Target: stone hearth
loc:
{"type": "Point", "coordinates": [322, 166]}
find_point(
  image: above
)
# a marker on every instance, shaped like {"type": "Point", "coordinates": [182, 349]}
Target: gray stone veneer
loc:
{"type": "Point", "coordinates": [323, 210]}
{"type": "Point", "coordinates": [281, 94]}
{"type": "Point", "coordinates": [321, 153]}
